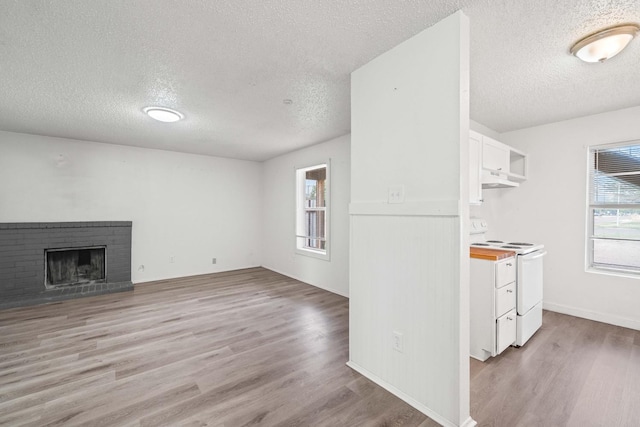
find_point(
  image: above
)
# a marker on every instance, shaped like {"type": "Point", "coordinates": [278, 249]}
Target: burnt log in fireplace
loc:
{"type": "Point", "coordinates": [74, 266]}
{"type": "Point", "coordinates": [49, 261]}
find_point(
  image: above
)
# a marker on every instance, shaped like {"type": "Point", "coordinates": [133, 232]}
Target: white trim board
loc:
{"type": "Point", "coordinates": [410, 208]}
{"type": "Point", "coordinates": [469, 422]}
{"type": "Point", "coordinates": [333, 291]}
{"type": "Point", "coordinates": [592, 315]}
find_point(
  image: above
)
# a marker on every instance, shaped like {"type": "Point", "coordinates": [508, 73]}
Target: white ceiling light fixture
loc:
{"type": "Point", "coordinates": [163, 114]}
{"type": "Point", "coordinates": [605, 44]}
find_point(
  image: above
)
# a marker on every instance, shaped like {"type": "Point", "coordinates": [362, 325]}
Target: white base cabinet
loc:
{"type": "Point", "coordinates": [505, 331]}
{"type": "Point", "coordinates": [493, 306]}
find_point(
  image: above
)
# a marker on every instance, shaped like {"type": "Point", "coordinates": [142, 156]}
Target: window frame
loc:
{"type": "Point", "coordinates": [300, 211]}
{"type": "Point", "coordinates": [592, 266]}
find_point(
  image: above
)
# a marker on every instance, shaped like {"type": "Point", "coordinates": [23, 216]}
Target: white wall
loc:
{"type": "Point", "coordinates": [187, 206]}
{"type": "Point", "coordinates": [278, 221]}
{"type": "Point", "coordinates": [550, 207]}
{"type": "Point", "coordinates": [409, 261]}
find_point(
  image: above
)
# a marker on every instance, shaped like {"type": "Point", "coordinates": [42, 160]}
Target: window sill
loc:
{"type": "Point", "coordinates": [314, 254]}
{"type": "Point", "coordinates": [614, 272]}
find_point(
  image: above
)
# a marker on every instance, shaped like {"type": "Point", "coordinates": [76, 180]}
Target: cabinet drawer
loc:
{"type": "Point", "coordinates": [505, 272]}
{"type": "Point", "coordinates": [505, 331]}
{"type": "Point", "coordinates": [505, 299]}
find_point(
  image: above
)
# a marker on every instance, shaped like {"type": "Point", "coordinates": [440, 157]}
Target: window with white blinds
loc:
{"type": "Point", "coordinates": [614, 208]}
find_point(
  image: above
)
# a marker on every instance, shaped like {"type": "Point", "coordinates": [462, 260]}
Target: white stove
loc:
{"type": "Point", "coordinates": [520, 248]}
{"type": "Point", "coordinates": [479, 228]}
{"type": "Point", "coordinates": [529, 277]}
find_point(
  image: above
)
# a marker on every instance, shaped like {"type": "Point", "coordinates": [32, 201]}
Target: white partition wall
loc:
{"type": "Point", "coordinates": [409, 257]}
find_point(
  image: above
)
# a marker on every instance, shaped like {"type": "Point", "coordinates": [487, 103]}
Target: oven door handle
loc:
{"type": "Point", "coordinates": [536, 256]}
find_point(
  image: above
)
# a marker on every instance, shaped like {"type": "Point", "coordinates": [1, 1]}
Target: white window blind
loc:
{"type": "Point", "coordinates": [614, 207]}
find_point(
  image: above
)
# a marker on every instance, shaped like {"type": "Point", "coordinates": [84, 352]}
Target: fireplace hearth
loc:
{"type": "Point", "coordinates": [49, 261]}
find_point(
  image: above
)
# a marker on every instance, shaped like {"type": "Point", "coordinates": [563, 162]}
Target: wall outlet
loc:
{"type": "Point", "coordinates": [214, 261]}
{"type": "Point", "coordinates": [397, 343]}
{"type": "Point", "coordinates": [396, 194]}
{"type": "Point", "coordinates": [141, 268]}
{"type": "Point", "coordinates": [172, 259]}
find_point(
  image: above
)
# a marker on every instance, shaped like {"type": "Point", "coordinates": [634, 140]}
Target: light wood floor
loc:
{"type": "Point", "coordinates": [253, 347]}
{"type": "Point", "coordinates": [243, 348]}
{"type": "Point", "coordinates": [573, 372]}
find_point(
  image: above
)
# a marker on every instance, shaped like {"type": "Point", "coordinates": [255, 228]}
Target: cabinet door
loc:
{"type": "Point", "coordinates": [475, 168]}
{"type": "Point", "coordinates": [495, 155]}
{"type": "Point", "coordinates": [505, 331]}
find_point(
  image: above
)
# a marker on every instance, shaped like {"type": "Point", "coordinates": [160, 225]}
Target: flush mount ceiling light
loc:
{"type": "Point", "coordinates": [604, 44]}
{"type": "Point", "coordinates": [163, 114]}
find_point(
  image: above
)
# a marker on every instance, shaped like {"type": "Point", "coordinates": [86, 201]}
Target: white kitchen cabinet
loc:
{"type": "Point", "coordinates": [517, 165]}
{"type": "Point", "coordinates": [505, 299]}
{"type": "Point", "coordinates": [493, 305]}
{"type": "Point", "coordinates": [505, 272]}
{"type": "Point", "coordinates": [495, 156]}
{"type": "Point", "coordinates": [475, 168]}
{"type": "Point", "coordinates": [505, 331]}
{"type": "Point", "coordinates": [494, 165]}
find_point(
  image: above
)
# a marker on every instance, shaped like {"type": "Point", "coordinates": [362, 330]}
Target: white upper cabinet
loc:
{"type": "Point", "coordinates": [493, 164]}
{"type": "Point", "coordinates": [495, 156]}
{"type": "Point", "coordinates": [517, 165]}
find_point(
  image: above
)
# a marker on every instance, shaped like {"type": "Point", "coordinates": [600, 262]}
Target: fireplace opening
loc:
{"type": "Point", "coordinates": [65, 267]}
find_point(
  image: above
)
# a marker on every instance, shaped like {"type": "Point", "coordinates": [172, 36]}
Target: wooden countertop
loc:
{"type": "Point", "coordinates": [490, 254]}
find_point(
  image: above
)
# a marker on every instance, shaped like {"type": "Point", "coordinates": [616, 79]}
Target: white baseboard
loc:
{"type": "Point", "coordinates": [157, 279]}
{"type": "Point", "coordinates": [334, 291]}
{"type": "Point", "coordinates": [183, 276]}
{"type": "Point", "coordinates": [593, 315]}
{"type": "Point", "coordinates": [469, 422]}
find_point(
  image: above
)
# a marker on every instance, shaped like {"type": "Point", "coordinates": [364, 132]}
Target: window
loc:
{"type": "Point", "coordinates": [614, 208]}
{"type": "Point", "coordinates": [312, 213]}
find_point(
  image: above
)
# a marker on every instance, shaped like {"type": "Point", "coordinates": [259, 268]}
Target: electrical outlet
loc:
{"type": "Point", "coordinates": [214, 261]}
{"type": "Point", "coordinates": [141, 268]}
{"type": "Point", "coordinates": [396, 194]}
{"type": "Point", "coordinates": [172, 259]}
{"type": "Point", "coordinates": [397, 343]}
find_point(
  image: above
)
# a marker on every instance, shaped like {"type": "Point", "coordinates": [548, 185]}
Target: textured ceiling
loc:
{"type": "Point", "coordinates": [84, 69]}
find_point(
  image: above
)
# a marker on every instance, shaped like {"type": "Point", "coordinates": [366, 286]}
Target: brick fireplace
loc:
{"type": "Point", "coordinates": [50, 261]}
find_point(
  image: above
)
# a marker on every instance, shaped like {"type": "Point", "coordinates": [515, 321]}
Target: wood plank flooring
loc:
{"type": "Point", "coordinates": [573, 372]}
{"type": "Point", "coordinates": [253, 347]}
{"type": "Point", "coordinates": [243, 348]}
